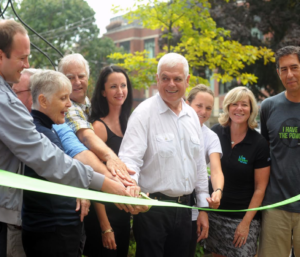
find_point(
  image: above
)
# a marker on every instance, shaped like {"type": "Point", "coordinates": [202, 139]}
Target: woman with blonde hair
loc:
{"type": "Point", "coordinates": [201, 99]}
{"type": "Point", "coordinates": [246, 168]}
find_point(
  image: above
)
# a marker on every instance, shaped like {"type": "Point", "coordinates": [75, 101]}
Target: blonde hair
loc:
{"type": "Point", "coordinates": [234, 95]}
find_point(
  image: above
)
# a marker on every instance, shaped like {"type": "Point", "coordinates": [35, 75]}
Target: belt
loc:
{"type": "Point", "coordinates": [17, 227]}
{"type": "Point", "coordinates": [184, 199]}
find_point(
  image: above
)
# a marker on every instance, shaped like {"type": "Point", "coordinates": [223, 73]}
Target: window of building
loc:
{"type": "Point", "coordinates": [149, 46]}
{"type": "Point", "coordinates": [154, 91]}
{"type": "Point", "coordinates": [126, 46]}
{"type": "Point", "coordinates": [224, 87]}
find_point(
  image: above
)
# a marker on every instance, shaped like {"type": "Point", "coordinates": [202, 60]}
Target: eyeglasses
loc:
{"type": "Point", "coordinates": [18, 92]}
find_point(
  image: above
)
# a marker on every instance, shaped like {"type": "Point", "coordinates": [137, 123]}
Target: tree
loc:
{"type": "Point", "coordinates": [203, 44]}
{"type": "Point", "coordinates": [63, 23]}
{"type": "Point", "coordinates": [70, 27]}
{"type": "Point", "coordinates": [96, 52]}
{"type": "Point", "coordinates": [271, 24]}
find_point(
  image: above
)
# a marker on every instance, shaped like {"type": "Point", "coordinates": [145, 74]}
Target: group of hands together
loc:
{"type": "Point", "coordinates": [120, 183]}
{"type": "Point", "coordinates": [123, 184]}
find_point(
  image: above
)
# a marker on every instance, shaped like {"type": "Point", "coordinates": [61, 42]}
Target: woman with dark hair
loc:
{"type": "Point", "coordinates": [111, 106]}
{"type": "Point", "coordinates": [100, 104]}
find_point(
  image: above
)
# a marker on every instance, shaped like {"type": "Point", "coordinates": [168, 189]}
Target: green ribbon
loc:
{"type": "Point", "coordinates": [10, 179]}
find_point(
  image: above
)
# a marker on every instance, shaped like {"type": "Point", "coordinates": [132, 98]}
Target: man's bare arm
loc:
{"type": "Point", "coordinates": [111, 184]}
{"type": "Point", "coordinates": [98, 147]}
{"type": "Point", "coordinates": [89, 158]}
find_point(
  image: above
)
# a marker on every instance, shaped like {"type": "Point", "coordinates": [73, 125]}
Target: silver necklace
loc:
{"type": "Point", "coordinates": [232, 142]}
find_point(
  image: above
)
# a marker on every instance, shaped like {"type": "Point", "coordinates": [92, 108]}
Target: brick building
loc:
{"type": "Point", "coordinates": [133, 37]}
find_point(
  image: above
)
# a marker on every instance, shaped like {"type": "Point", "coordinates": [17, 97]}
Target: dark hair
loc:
{"type": "Point", "coordinates": [8, 28]}
{"type": "Point", "coordinates": [287, 50]}
{"type": "Point", "coordinates": [99, 103]}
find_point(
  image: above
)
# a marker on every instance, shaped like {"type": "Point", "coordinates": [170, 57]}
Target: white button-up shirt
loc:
{"type": "Point", "coordinates": [165, 150]}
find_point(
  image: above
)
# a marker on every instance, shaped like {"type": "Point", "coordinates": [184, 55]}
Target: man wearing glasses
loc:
{"type": "Point", "coordinates": [22, 88]}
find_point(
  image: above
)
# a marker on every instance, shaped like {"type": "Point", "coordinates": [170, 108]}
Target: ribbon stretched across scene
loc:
{"type": "Point", "coordinates": [9, 179]}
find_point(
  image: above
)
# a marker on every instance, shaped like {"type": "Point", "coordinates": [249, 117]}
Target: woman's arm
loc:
{"type": "Point", "coordinates": [261, 177]}
{"type": "Point", "coordinates": [100, 130]}
{"type": "Point", "coordinates": [108, 238]}
{"type": "Point", "coordinates": [217, 180]}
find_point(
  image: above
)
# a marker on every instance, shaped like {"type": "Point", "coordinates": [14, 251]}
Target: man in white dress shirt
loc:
{"type": "Point", "coordinates": [163, 144]}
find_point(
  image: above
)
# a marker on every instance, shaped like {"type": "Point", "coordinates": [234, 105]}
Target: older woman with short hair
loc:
{"type": "Point", "coordinates": [246, 168]}
{"type": "Point", "coordinates": [51, 223]}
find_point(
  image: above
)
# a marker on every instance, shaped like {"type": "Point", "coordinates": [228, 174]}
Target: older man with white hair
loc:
{"type": "Point", "coordinates": [76, 68]}
{"type": "Point", "coordinates": [163, 144]}
{"type": "Point", "coordinates": [22, 89]}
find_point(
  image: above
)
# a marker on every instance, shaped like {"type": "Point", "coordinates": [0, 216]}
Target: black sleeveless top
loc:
{"type": "Point", "coordinates": [114, 215]}
{"type": "Point", "coordinates": [119, 220]}
{"type": "Point", "coordinates": [113, 141]}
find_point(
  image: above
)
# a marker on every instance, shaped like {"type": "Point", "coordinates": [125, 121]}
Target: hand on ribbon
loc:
{"type": "Point", "coordinates": [215, 199]}
{"type": "Point", "coordinates": [135, 192]}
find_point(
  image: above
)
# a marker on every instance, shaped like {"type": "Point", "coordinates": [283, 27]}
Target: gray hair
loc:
{"type": "Point", "coordinates": [171, 60]}
{"type": "Point", "coordinates": [47, 82]}
{"type": "Point", "coordinates": [287, 50]}
{"type": "Point", "coordinates": [30, 71]}
{"type": "Point", "coordinates": [73, 58]}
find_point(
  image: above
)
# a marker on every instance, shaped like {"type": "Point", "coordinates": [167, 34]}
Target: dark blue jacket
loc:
{"type": "Point", "coordinates": [43, 212]}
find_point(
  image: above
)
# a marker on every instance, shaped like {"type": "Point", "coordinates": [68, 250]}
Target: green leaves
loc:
{"type": "Point", "coordinates": [141, 69]}
{"type": "Point", "coordinates": [65, 24]}
{"type": "Point", "coordinates": [203, 44]}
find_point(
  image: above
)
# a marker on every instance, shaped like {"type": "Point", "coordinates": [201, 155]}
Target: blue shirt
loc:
{"type": "Point", "coordinates": [69, 140]}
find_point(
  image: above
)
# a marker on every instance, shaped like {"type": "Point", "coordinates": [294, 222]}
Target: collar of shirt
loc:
{"type": "Point", "coordinates": [2, 81]}
{"type": "Point", "coordinates": [85, 107]}
{"type": "Point", "coordinates": [43, 118]}
{"type": "Point", "coordinates": [247, 140]}
{"type": "Point", "coordinates": [163, 107]}
{"type": "Point", "coordinates": [165, 150]}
